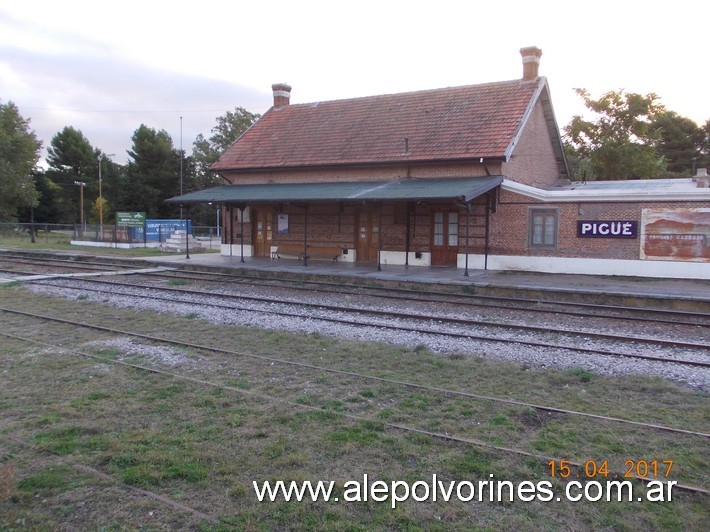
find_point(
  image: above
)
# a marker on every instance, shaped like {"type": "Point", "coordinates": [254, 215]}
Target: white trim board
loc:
{"type": "Point", "coordinates": [665, 190]}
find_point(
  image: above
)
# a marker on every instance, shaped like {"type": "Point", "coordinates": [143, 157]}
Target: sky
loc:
{"type": "Point", "coordinates": [105, 68]}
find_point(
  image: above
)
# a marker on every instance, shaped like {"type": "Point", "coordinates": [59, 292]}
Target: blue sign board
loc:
{"type": "Point", "coordinates": [607, 229]}
{"type": "Point", "coordinates": [160, 230]}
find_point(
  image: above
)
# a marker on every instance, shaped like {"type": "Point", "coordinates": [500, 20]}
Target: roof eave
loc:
{"type": "Point", "coordinates": [364, 164]}
{"type": "Point", "coordinates": [465, 189]}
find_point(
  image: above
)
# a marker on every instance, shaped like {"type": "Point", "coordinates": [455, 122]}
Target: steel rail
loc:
{"type": "Point", "coordinates": [416, 317]}
{"type": "Point", "coordinates": [404, 428]}
{"type": "Point", "coordinates": [384, 380]}
{"type": "Point", "coordinates": [261, 281]}
{"type": "Point", "coordinates": [337, 289]}
{"type": "Point", "coordinates": [480, 322]}
{"type": "Point", "coordinates": [82, 265]}
{"type": "Point", "coordinates": [105, 476]}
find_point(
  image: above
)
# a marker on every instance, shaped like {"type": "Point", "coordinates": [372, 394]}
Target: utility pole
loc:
{"type": "Point", "coordinates": [101, 198]}
{"type": "Point", "coordinates": [181, 168]}
{"type": "Point", "coordinates": [81, 203]}
{"type": "Point", "coordinates": [101, 202]}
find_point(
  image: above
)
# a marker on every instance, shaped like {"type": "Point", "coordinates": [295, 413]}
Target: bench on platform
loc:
{"type": "Point", "coordinates": [287, 251]}
{"type": "Point", "coordinates": [325, 253]}
{"type": "Point", "coordinates": [314, 253]}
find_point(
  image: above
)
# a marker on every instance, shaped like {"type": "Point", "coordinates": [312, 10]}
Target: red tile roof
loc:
{"type": "Point", "coordinates": [442, 124]}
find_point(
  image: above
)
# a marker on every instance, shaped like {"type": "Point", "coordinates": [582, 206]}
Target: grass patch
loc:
{"type": "Point", "coordinates": [61, 441]}
{"type": "Point", "coordinates": [204, 446]}
{"type": "Point", "coordinates": [49, 481]}
{"type": "Point", "coordinates": [89, 399]}
{"type": "Point", "coordinates": [582, 374]}
{"type": "Point", "coordinates": [365, 433]}
{"type": "Point", "coordinates": [150, 474]}
{"type": "Point", "coordinates": [473, 464]}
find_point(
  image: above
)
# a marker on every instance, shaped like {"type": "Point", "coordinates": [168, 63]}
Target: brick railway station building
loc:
{"type": "Point", "coordinates": [471, 177]}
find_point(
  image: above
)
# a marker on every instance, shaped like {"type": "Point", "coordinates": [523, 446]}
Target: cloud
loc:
{"type": "Point", "coordinates": [108, 98]}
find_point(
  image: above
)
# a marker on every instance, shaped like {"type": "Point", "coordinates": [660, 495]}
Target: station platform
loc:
{"type": "Point", "coordinates": [642, 291]}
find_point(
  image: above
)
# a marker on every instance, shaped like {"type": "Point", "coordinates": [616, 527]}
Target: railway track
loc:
{"type": "Point", "coordinates": [405, 322]}
{"type": "Point", "coordinates": [427, 294]}
{"type": "Point", "coordinates": [563, 308]}
{"type": "Point", "coordinates": [287, 399]}
{"type": "Point", "coordinates": [402, 427]}
{"type": "Point", "coordinates": [321, 368]}
{"type": "Point", "coordinates": [688, 350]}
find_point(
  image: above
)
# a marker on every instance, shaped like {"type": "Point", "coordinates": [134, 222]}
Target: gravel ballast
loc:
{"type": "Point", "coordinates": [309, 320]}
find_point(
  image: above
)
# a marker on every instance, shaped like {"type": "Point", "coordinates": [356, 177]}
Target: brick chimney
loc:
{"type": "Point", "coordinates": [282, 94]}
{"type": "Point", "coordinates": [531, 62]}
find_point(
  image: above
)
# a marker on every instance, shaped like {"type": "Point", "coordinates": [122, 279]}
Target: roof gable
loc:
{"type": "Point", "coordinates": [454, 123]}
{"type": "Point", "coordinates": [542, 95]}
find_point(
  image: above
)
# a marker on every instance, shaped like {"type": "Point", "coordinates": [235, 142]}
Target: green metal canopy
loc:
{"type": "Point", "coordinates": [465, 189]}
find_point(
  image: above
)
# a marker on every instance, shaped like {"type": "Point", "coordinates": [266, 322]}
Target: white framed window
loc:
{"type": "Point", "coordinates": [543, 224]}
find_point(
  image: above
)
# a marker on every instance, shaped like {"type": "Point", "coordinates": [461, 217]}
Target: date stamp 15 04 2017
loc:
{"type": "Point", "coordinates": [590, 469]}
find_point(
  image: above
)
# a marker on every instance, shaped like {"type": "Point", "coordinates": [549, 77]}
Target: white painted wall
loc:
{"type": "Point", "coordinates": [398, 258]}
{"type": "Point", "coordinates": [350, 257]}
{"type": "Point", "coordinates": [119, 245]}
{"type": "Point", "coordinates": [631, 268]}
{"type": "Point", "coordinates": [236, 250]}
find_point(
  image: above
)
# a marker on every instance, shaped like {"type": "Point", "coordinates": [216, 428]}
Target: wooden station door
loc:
{"type": "Point", "coordinates": [367, 234]}
{"type": "Point", "coordinates": [444, 238]}
{"type": "Point", "coordinates": [261, 232]}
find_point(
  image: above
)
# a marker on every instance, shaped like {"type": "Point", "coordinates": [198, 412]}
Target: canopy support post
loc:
{"type": "Point", "coordinates": [242, 207]}
{"type": "Point", "coordinates": [379, 241]}
{"type": "Point", "coordinates": [488, 229]}
{"type": "Point", "coordinates": [305, 234]}
{"type": "Point", "coordinates": [468, 223]}
{"type": "Point", "coordinates": [231, 231]}
{"type": "Point", "coordinates": [409, 233]}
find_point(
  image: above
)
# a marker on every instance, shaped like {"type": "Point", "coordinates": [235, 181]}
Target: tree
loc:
{"type": "Point", "coordinates": [19, 153]}
{"type": "Point", "coordinates": [98, 208]}
{"type": "Point", "coordinates": [53, 200]}
{"type": "Point", "coordinates": [71, 153]}
{"type": "Point", "coordinates": [153, 174]}
{"type": "Point", "coordinates": [680, 142]}
{"type": "Point", "coordinates": [228, 129]}
{"type": "Point", "coordinates": [71, 158]}
{"type": "Point", "coordinates": [620, 144]}
{"type": "Point", "coordinates": [205, 153]}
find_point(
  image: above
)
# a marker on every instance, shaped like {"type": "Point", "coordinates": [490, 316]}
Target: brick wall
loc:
{"type": "Point", "coordinates": [333, 224]}
{"type": "Point", "coordinates": [533, 160]}
{"type": "Point", "coordinates": [509, 227]}
{"type": "Point", "coordinates": [330, 175]}
{"type": "Point", "coordinates": [232, 228]}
